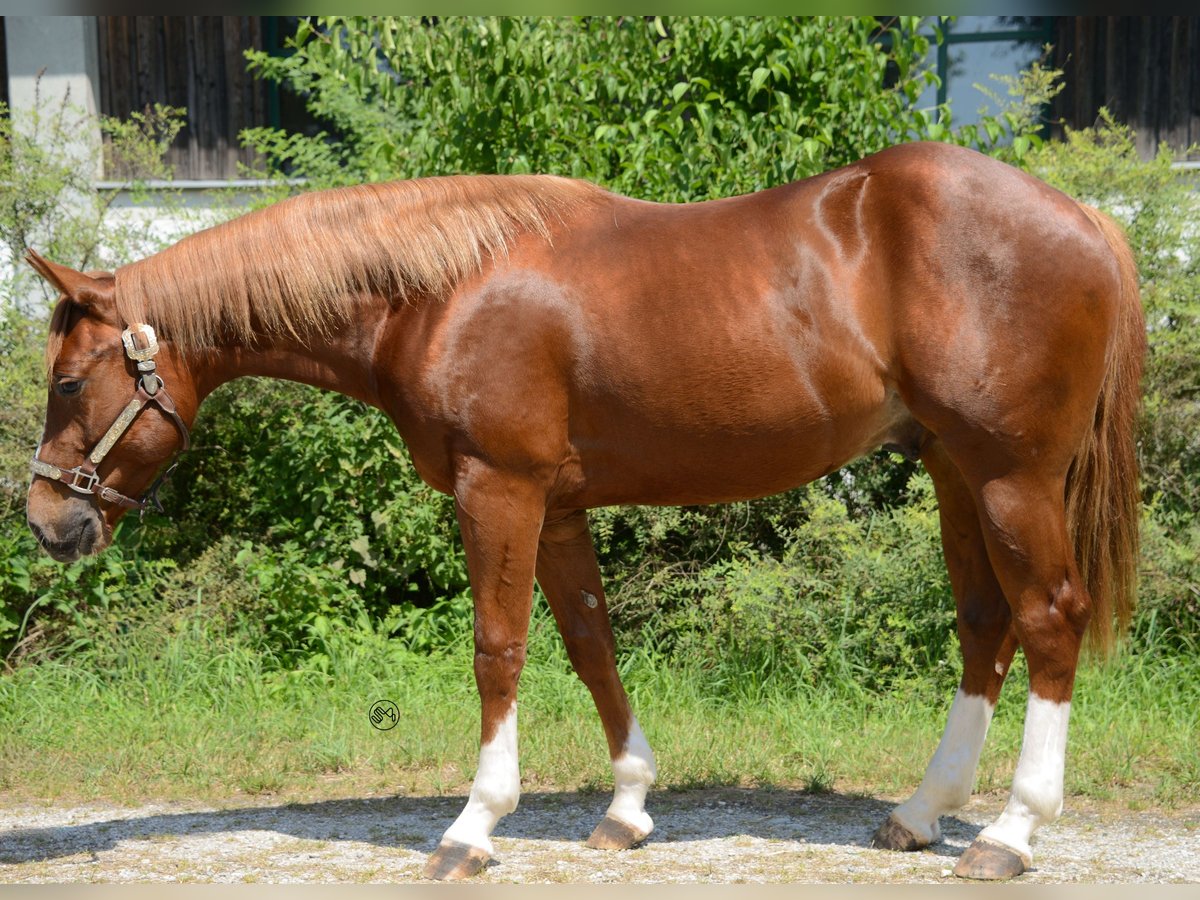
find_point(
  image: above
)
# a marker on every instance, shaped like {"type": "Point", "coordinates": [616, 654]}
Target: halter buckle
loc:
{"type": "Point", "coordinates": [132, 350]}
{"type": "Point", "coordinates": [89, 480]}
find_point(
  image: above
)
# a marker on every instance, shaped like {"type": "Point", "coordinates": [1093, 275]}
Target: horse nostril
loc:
{"type": "Point", "coordinates": [38, 533]}
{"type": "Point", "coordinates": [87, 536]}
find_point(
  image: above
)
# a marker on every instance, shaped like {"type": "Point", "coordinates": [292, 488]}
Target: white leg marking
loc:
{"type": "Point", "coordinates": [495, 791]}
{"type": "Point", "coordinates": [633, 773]}
{"type": "Point", "coordinates": [1037, 791]}
{"type": "Point", "coordinates": [951, 773]}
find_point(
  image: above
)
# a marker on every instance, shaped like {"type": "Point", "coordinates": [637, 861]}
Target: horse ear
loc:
{"type": "Point", "coordinates": [81, 289]}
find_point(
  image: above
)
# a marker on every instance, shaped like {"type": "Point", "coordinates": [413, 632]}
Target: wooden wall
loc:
{"type": "Point", "coordinates": [1145, 69]}
{"type": "Point", "coordinates": [195, 62]}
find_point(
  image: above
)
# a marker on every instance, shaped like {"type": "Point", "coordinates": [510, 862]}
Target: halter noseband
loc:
{"type": "Point", "coordinates": [150, 389]}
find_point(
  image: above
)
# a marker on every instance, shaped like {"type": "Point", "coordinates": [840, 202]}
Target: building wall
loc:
{"type": "Point", "coordinates": [3, 64]}
{"type": "Point", "coordinates": [194, 62]}
{"type": "Point", "coordinates": [54, 59]}
{"type": "Point", "coordinates": [1145, 69]}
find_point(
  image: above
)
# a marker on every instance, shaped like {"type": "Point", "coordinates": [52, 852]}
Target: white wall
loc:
{"type": "Point", "coordinates": [52, 59]}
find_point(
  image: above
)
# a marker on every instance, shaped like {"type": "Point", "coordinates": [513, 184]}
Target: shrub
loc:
{"type": "Point", "coordinates": [666, 108]}
{"type": "Point", "coordinates": [1159, 208]}
{"type": "Point", "coordinates": [325, 474]}
{"type": "Point", "coordinates": [852, 602]}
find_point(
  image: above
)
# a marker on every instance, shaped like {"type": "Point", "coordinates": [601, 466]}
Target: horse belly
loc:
{"type": "Point", "coordinates": [749, 426]}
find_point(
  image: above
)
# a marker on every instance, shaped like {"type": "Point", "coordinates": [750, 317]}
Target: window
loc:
{"type": "Point", "coordinates": [974, 47]}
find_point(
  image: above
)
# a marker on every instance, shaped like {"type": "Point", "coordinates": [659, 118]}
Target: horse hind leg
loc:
{"type": "Point", "coordinates": [1025, 528]}
{"type": "Point", "coordinates": [570, 578]}
{"type": "Point", "coordinates": [988, 643]}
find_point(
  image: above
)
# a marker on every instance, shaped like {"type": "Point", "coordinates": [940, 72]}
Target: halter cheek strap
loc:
{"type": "Point", "coordinates": [150, 389]}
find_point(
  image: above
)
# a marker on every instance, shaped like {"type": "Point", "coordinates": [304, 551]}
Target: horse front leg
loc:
{"type": "Point", "coordinates": [570, 577]}
{"type": "Point", "coordinates": [500, 518]}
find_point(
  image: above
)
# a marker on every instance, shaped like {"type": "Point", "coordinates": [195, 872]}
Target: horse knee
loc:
{"type": "Point", "coordinates": [498, 666]}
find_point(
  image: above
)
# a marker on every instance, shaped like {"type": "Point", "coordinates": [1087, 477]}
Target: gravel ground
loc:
{"type": "Point", "coordinates": [719, 835]}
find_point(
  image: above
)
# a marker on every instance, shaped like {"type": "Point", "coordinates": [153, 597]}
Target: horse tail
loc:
{"type": "Point", "coordinates": [1103, 494]}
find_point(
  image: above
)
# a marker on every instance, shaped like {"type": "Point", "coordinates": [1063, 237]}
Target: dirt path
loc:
{"type": "Point", "coordinates": [701, 836]}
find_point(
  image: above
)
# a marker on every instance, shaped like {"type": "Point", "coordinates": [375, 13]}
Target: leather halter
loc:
{"type": "Point", "coordinates": [150, 389]}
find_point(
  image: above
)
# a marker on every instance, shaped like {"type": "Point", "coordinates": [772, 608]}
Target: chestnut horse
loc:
{"type": "Point", "coordinates": [545, 347]}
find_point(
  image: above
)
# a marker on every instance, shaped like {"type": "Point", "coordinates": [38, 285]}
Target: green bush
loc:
{"type": "Point", "coordinates": [298, 512]}
{"type": "Point", "coordinates": [49, 203]}
{"type": "Point", "coordinates": [851, 601]}
{"type": "Point", "coordinates": [1159, 209]}
{"type": "Point", "coordinates": [672, 109]}
{"type": "Point", "coordinates": [666, 108]}
{"type": "Point", "coordinates": [1168, 619]}
{"type": "Point", "coordinates": [328, 476]}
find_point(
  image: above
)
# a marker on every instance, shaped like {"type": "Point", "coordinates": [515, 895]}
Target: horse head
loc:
{"type": "Point", "coordinates": [100, 446]}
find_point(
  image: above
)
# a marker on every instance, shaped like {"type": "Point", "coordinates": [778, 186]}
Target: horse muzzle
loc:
{"type": "Point", "coordinates": [76, 531]}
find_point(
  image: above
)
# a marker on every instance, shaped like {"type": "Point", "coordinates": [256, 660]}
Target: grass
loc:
{"type": "Point", "coordinates": [188, 715]}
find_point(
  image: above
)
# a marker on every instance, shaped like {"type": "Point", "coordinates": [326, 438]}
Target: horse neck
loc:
{"type": "Point", "coordinates": [338, 359]}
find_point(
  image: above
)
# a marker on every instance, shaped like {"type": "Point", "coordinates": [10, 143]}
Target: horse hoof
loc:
{"type": "Point", "coordinates": [988, 861]}
{"type": "Point", "coordinates": [453, 861]}
{"type": "Point", "coordinates": [894, 836]}
{"type": "Point", "coordinates": [613, 834]}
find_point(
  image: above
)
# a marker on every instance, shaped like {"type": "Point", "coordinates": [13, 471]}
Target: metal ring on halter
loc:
{"type": "Point", "coordinates": [90, 480]}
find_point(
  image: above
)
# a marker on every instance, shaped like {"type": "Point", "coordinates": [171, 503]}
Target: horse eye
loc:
{"type": "Point", "coordinates": [67, 388]}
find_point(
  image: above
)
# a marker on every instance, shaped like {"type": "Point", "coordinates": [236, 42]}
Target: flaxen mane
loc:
{"type": "Point", "coordinates": [288, 268]}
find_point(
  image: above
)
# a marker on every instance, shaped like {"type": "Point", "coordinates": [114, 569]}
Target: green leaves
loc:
{"type": "Point", "coordinates": [804, 592]}
{"type": "Point", "coordinates": [669, 108]}
{"type": "Point", "coordinates": [355, 505]}
{"type": "Point", "coordinates": [757, 80]}
{"type": "Point", "coordinates": [362, 546]}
